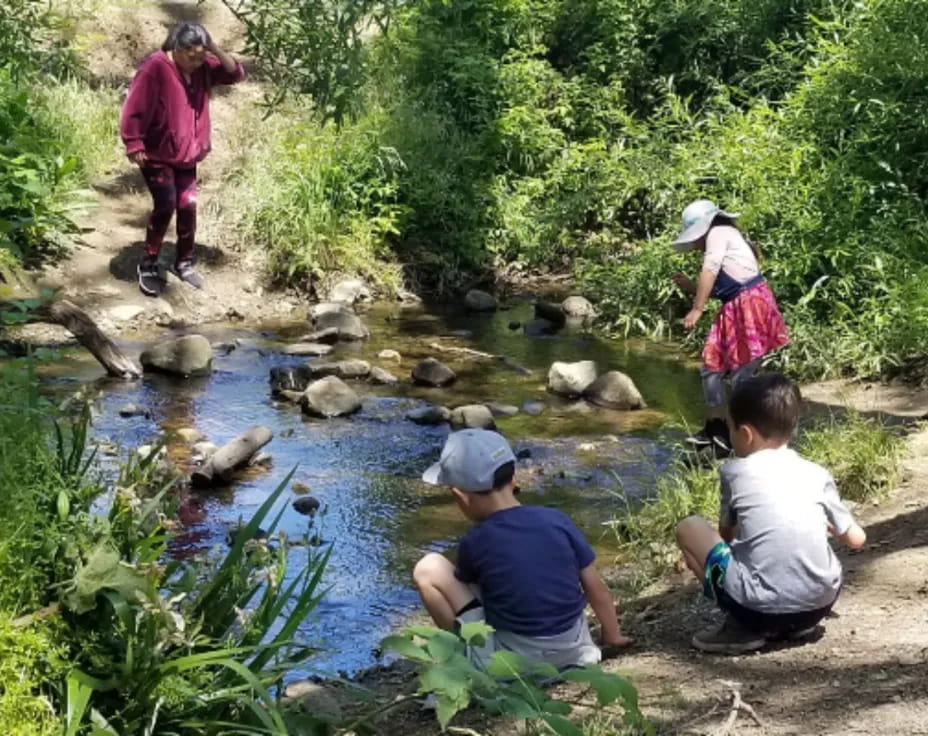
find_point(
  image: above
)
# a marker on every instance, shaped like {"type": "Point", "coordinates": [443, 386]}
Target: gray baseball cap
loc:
{"type": "Point", "coordinates": [469, 459]}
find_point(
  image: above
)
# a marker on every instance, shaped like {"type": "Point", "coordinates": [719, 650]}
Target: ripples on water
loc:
{"type": "Point", "coordinates": [364, 469]}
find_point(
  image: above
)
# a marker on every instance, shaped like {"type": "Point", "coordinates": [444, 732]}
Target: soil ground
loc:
{"type": "Point", "coordinates": [866, 674]}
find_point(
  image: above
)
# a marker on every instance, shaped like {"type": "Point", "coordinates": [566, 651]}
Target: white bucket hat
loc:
{"type": "Point", "coordinates": [697, 219]}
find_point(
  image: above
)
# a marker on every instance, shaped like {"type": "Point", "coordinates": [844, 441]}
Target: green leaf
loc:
{"type": "Point", "coordinates": [512, 664]}
{"type": "Point", "coordinates": [446, 706]}
{"type": "Point", "coordinates": [449, 679]}
{"type": "Point", "coordinates": [609, 687]}
{"type": "Point", "coordinates": [406, 648]}
{"type": "Point", "coordinates": [561, 726]}
{"type": "Point", "coordinates": [444, 645]}
{"type": "Point", "coordinates": [475, 632]}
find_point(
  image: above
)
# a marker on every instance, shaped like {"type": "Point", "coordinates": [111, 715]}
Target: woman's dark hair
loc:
{"type": "Point", "coordinates": [184, 35]}
{"type": "Point", "coordinates": [722, 220]}
{"type": "Point", "coordinates": [769, 402]}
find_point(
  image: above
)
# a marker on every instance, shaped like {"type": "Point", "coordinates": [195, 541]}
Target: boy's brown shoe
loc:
{"type": "Point", "coordinates": [729, 637]}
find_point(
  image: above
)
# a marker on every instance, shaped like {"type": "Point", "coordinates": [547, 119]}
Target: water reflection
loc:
{"type": "Point", "coordinates": [364, 469]}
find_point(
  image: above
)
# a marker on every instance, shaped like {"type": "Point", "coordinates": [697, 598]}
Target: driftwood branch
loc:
{"type": "Point", "coordinates": [737, 706]}
{"type": "Point", "coordinates": [222, 464]}
{"type": "Point", "coordinates": [480, 355]}
{"type": "Point", "coordinates": [78, 323]}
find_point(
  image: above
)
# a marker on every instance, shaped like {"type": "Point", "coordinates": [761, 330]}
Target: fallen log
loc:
{"type": "Point", "coordinates": [78, 323]}
{"type": "Point", "coordinates": [479, 354]}
{"type": "Point", "coordinates": [222, 464]}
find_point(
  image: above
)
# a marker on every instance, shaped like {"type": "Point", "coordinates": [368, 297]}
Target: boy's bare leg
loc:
{"type": "Point", "coordinates": [442, 593]}
{"type": "Point", "coordinates": [696, 538]}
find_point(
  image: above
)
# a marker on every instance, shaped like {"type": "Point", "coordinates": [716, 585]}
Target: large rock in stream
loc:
{"type": "Point", "coordinates": [337, 316]}
{"type": "Point", "coordinates": [189, 355]}
{"type": "Point", "coordinates": [330, 397]}
{"type": "Point", "coordinates": [578, 307]}
{"type": "Point", "coordinates": [614, 390]}
{"type": "Point", "coordinates": [431, 372]}
{"type": "Point", "coordinates": [429, 416]}
{"type": "Point", "coordinates": [571, 379]}
{"type": "Point", "coordinates": [347, 369]}
{"type": "Point", "coordinates": [472, 416]}
{"type": "Point", "coordinates": [349, 292]}
{"type": "Point", "coordinates": [290, 378]}
{"type": "Point", "coordinates": [480, 301]}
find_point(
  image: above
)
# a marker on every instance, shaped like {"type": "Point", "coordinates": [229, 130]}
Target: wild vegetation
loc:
{"type": "Point", "coordinates": [490, 137]}
{"type": "Point", "coordinates": [56, 133]}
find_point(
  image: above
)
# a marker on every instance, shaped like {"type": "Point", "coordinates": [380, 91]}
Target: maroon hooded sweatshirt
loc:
{"type": "Point", "coordinates": [168, 117]}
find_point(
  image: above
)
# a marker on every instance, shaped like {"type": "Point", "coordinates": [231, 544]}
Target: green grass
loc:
{"type": "Point", "coordinates": [863, 455]}
{"type": "Point", "coordinates": [316, 200]}
{"type": "Point", "coordinates": [86, 120]}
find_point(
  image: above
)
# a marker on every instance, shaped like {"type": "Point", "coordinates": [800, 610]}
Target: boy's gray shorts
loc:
{"type": "Point", "coordinates": [573, 648]}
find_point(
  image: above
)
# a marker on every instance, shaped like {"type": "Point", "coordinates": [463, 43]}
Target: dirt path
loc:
{"type": "Point", "coordinates": [100, 274]}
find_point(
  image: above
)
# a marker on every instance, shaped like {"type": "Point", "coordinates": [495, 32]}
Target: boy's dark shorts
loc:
{"type": "Point", "coordinates": [771, 625]}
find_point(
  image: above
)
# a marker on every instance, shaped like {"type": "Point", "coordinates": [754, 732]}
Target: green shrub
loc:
{"type": "Point", "coordinates": [570, 135]}
{"type": "Point", "coordinates": [318, 200]}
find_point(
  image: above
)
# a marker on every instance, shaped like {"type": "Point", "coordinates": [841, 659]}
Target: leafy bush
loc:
{"type": "Point", "coordinates": [510, 685]}
{"type": "Point", "coordinates": [319, 201]}
{"type": "Point", "coordinates": [571, 135]}
{"type": "Point", "coordinates": [114, 633]}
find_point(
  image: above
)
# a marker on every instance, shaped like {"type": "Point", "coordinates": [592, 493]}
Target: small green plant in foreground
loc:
{"type": "Point", "coordinates": [510, 685]}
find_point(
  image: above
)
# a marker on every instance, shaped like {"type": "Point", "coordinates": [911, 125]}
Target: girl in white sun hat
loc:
{"type": "Point", "coordinates": [749, 324]}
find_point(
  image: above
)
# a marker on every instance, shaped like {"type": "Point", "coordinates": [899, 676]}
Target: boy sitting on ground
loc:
{"type": "Point", "coordinates": [769, 567]}
{"type": "Point", "coordinates": [526, 570]}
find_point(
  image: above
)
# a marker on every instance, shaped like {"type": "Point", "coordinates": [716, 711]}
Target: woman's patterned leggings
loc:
{"type": "Point", "coordinates": [172, 190]}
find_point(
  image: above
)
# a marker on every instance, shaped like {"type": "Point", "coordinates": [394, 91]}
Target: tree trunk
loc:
{"type": "Point", "coordinates": [79, 324]}
{"type": "Point", "coordinates": [223, 463]}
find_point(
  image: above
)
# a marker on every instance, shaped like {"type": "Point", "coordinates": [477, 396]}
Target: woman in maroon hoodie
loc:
{"type": "Point", "coordinates": [165, 126]}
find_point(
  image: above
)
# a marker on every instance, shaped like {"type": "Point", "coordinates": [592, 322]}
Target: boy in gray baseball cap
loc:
{"type": "Point", "coordinates": [526, 570]}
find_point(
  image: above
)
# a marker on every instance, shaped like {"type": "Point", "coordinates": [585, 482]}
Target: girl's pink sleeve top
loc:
{"type": "Point", "coordinates": [168, 117]}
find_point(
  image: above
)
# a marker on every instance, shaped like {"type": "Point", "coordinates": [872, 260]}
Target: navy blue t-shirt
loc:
{"type": "Point", "coordinates": [527, 562]}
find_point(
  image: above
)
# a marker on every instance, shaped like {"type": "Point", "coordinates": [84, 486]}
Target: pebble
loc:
{"type": "Point", "coordinates": [134, 410]}
{"type": "Point", "coordinates": [306, 505]}
{"type": "Point", "coordinates": [390, 355]}
{"type": "Point", "coordinates": [533, 407]}
{"type": "Point", "coordinates": [188, 434]}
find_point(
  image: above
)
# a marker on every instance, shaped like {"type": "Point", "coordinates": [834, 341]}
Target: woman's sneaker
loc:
{"type": "Point", "coordinates": [706, 436]}
{"type": "Point", "coordinates": [150, 281]}
{"type": "Point", "coordinates": [187, 273]}
{"type": "Point", "coordinates": [729, 637]}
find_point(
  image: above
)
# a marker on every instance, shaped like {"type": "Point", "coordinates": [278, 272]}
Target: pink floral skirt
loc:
{"type": "Point", "coordinates": [746, 328]}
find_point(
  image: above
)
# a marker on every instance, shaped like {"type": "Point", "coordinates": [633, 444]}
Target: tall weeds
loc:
{"type": "Point", "coordinates": [113, 632]}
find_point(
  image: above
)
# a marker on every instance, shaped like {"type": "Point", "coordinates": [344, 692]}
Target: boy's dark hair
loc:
{"type": "Point", "coordinates": [769, 402]}
{"type": "Point", "coordinates": [503, 475]}
{"type": "Point", "coordinates": [184, 35]}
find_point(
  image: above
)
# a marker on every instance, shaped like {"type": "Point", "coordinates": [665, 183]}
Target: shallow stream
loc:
{"type": "Point", "coordinates": [365, 469]}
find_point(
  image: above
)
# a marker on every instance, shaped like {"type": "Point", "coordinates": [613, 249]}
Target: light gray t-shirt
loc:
{"type": "Point", "coordinates": [781, 559]}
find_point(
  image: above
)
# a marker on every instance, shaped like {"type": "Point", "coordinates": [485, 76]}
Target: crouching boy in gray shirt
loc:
{"type": "Point", "coordinates": [769, 567]}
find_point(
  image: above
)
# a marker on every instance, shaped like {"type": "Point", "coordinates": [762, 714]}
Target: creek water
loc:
{"type": "Point", "coordinates": [378, 516]}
